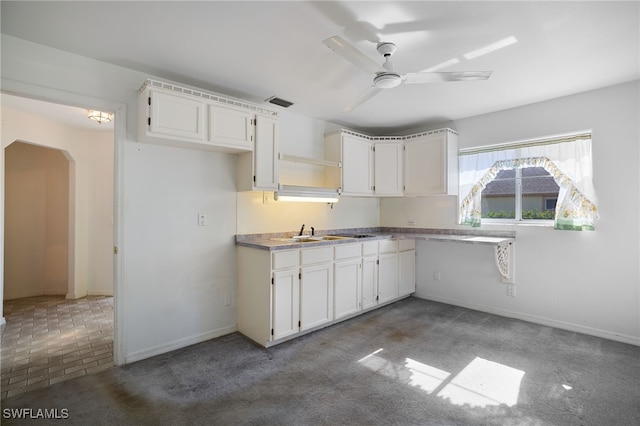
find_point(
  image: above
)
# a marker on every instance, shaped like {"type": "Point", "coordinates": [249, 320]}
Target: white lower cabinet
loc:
{"type": "Point", "coordinates": [347, 280]}
{"type": "Point", "coordinates": [387, 277]}
{"type": "Point", "coordinates": [284, 293]}
{"type": "Point", "coordinates": [387, 270]}
{"type": "Point", "coordinates": [369, 282]}
{"type": "Point", "coordinates": [316, 296]}
{"type": "Point", "coordinates": [286, 303]}
{"type": "Point", "coordinates": [406, 267]}
{"type": "Point", "coordinates": [369, 274]}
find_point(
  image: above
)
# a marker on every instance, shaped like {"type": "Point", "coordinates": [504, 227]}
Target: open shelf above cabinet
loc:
{"type": "Point", "coordinates": [314, 161]}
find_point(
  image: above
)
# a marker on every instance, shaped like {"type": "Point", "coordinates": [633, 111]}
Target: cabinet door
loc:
{"type": "Point", "coordinates": [387, 168]}
{"type": "Point", "coordinates": [387, 277]}
{"type": "Point", "coordinates": [347, 287]}
{"type": "Point", "coordinates": [369, 282]}
{"type": "Point", "coordinates": [230, 127]}
{"type": "Point", "coordinates": [407, 272]}
{"type": "Point", "coordinates": [286, 303]}
{"type": "Point", "coordinates": [316, 296]}
{"type": "Point", "coordinates": [176, 116]}
{"type": "Point", "coordinates": [424, 165]}
{"type": "Point", "coordinates": [265, 156]}
{"type": "Point", "coordinates": [356, 166]}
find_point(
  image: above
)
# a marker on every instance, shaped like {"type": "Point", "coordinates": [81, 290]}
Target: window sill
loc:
{"type": "Point", "coordinates": [518, 223]}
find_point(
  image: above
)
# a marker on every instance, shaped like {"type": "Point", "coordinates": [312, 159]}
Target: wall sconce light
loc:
{"type": "Point", "coordinates": [100, 116]}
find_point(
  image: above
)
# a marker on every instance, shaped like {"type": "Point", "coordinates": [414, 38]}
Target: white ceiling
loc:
{"type": "Point", "coordinates": [255, 50]}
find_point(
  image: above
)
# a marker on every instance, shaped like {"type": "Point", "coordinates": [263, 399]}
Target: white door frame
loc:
{"type": "Point", "coordinates": [120, 126]}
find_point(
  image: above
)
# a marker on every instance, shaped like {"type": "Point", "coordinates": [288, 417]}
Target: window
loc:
{"type": "Point", "coordinates": [520, 194]}
{"type": "Point", "coordinates": [533, 181]}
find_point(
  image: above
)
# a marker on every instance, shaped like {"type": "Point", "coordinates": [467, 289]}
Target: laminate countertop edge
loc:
{"type": "Point", "coordinates": [272, 241]}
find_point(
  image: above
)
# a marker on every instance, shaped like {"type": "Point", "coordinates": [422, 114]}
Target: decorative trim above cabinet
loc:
{"type": "Point", "coordinates": [150, 83]}
{"type": "Point", "coordinates": [392, 138]}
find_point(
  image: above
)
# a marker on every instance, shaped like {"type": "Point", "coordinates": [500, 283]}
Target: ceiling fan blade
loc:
{"type": "Point", "coordinates": [352, 54]}
{"type": "Point", "coordinates": [362, 99]}
{"type": "Point", "coordinates": [441, 77]}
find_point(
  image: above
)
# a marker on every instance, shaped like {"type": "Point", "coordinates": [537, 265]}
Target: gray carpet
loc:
{"type": "Point", "coordinates": [414, 362]}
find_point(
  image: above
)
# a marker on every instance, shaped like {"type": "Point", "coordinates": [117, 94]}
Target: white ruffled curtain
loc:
{"type": "Point", "coordinates": [568, 162]}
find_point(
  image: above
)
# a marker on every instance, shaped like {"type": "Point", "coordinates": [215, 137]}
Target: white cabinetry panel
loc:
{"type": "Point", "coordinates": [175, 116]}
{"type": "Point", "coordinates": [387, 277]}
{"type": "Point", "coordinates": [347, 287]}
{"type": "Point", "coordinates": [286, 303]}
{"type": "Point", "coordinates": [431, 164]}
{"type": "Point", "coordinates": [229, 126]}
{"type": "Point", "coordinates": [388, 168]}
{"type": "Point", "coordinates": [316, 296]}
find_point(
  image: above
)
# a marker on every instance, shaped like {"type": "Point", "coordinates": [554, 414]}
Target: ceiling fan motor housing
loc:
{"type": "Point", "coordinates": [386, 48]}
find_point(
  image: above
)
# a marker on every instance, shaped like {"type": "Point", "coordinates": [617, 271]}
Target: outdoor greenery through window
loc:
{"type": "Point", "coordinates": [528, 193]}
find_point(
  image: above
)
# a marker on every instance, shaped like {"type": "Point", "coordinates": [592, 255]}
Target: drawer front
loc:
{"type": "Point", "coordinates": [347, 251]}
{"type": "Point", "coordinates": [388, 246]}
{"type": "Point", "coordinates": [316, 255]}
{"type": "Point", "coordinates": [370, 248]}
{"type": "Point", "coordinates": [405, 245]}
{"type": "Point", "coordinates": [285, 259]}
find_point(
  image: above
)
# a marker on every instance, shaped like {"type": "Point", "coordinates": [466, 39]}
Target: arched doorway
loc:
{"type": "Point", "coordinates": [38, 250]}
{"type": "Point", "coordinates": [52, 171]}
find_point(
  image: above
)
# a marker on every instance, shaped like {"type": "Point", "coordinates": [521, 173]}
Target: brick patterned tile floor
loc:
{"type": "Point", "coordinates": [49, 339]}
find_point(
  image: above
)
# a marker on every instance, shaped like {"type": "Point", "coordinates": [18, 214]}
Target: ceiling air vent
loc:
{"type": "Point", "coordinates": [280, 102]}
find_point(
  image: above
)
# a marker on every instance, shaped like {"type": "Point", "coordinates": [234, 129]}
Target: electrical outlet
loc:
{"type": "Point", "coordinates": [511, 290]}
{"type": "Point", "coordinates": [411, 222]}
{"type": "Point", "coordinates": [202, 219]}
{"type": "Point", "coordinates": [437, 276]}
{"type": "Point", "coordinates": [267, 197]}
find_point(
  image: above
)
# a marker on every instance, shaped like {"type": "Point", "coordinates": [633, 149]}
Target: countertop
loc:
{"type": "Point", "coordinates": [273, 241]}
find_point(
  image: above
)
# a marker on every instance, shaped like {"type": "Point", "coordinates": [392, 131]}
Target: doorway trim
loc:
{"type": "Point", "coordinates": [119, 110]}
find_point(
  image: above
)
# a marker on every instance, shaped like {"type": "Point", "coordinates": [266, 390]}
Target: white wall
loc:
{"type": "Point", "coordinates": [178, 275]}
{"type": "Point", "coordinates": [90, 154]}
{"type": "Point", "coordinates": [584, 281]}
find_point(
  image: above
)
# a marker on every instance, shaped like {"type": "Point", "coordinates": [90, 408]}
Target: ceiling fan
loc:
{"type": "Point", "coordinates": [385, 76]}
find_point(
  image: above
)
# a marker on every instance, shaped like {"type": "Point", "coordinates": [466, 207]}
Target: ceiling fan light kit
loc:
{"type": "Point", "coordinates": [387, 80]}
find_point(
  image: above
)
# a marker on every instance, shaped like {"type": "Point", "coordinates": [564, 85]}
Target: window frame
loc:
{"type": "Point", "coordinates": [518, 220]}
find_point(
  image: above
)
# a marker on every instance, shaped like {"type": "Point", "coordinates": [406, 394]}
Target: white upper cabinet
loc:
{"type": "Point", "coordinates": [258, 170]}
{"type": "Point", "coordinates": [355, 177]}
{"type": "Point", "coordinates": [387, 168]}
{"type": "Point", "coordinates": [188, 118]}
{"type": "Point", "coordinates": [231, 127]}
{"type": "Point", "coordinates": [431, 164]}
{"type": "Point", "coordinates": [172, 116]}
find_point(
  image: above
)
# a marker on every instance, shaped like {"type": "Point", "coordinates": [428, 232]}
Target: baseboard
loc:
{"type": "Point", "coordinates": [100, 293]}
{"type": "Point", "coordinates": [605, 334]}
{"type": "Point", "coordinates": [178, 344]}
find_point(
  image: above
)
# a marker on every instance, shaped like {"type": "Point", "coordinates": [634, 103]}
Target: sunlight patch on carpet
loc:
{"type": "Point", "coordinates": [481, 383]}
